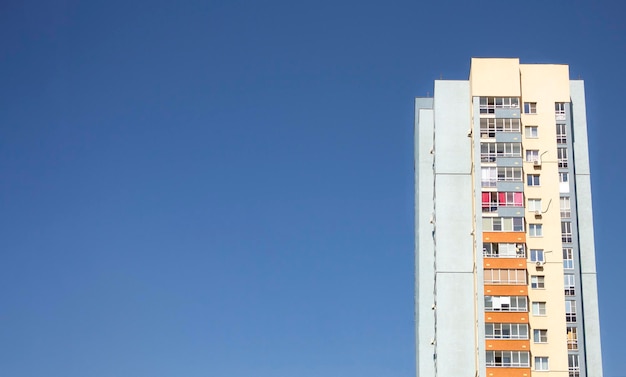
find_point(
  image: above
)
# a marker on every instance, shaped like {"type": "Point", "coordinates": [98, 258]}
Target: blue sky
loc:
{"type": "Point", "coordinates": [225, 188]}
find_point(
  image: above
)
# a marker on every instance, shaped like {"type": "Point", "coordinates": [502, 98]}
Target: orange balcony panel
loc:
{"type": "Point", "coordinates": [508, 372]}
{"type": "Point", "coordinates": [506, 290]}
{"type": "Point", "coordinates": [515, 237]}
{"type": "Point", "coordinates": [507, 345]}
{"type": "Point", "coordinates": [506, 317]}
{"type": "Point", "coordinates": [515, 263]}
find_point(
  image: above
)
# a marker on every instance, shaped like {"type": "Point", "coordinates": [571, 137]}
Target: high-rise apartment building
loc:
{"type": "Point", "coordinates": [505, 265]}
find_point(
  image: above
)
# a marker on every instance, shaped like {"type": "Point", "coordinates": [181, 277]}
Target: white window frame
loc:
{"type": "Point", "coordinates": [573, 365]}
{"type": "Point", "coordinates": [530, 107]}
{"type": "Point", "coordinates": [509, 174]}
{"type": "Point", "coordinates": [535, 230]}
{"type": "Point", "coordinates": [533, 180]}
{"type": "Point", "coordinates": [539, 308]}
{"type": "Point", "coordinates": [490, 126]}
{"type": "Point", "coordinates": [572, 338]}
{"type": "Point", "coordinates": [563, 177]}
{"type": "Point", "coordinates": [542, 363]}
{"type": "Point", "coordinates": [540, 336]}
{"type": "Point", "coordinates": [561, 133]}
{"type": "Point", "coordinates": [565, 206]}
{"type": "Point", "coordinates": [534, 205]}
{"type": "Point", "coordinates": [537, 255]}
{"type": "Point", "coordinates": [503, 224]}
{"type": "Point", "coordinates": [531, 132]}
{"type": "Point", "coordinates": [489, 152]}
{"type": "Point", "coordinates": [506, 304]}
{"type": "Point", "coordinates": [506, 331]}
{"type": "Point", "coordinates": [532, 155]}
{"type": "Point", "coordinates": [489, 176]}
{"type": "Point", "coordinates": [511, 359]}
{"type": "Point", "coordinates": [537, 282]}
{"type": "Point", "coordinates": [568, 258]}
{"type": "Point", "coordinates": [569, 284]}
{"type": "Point", "coordinates": [504, 250]}
{"type": "Point", "coordinates": [566, 232]}
{"type": "Point", "coordinates": [570, 311]}
{"type": "Point", "coordinates": [561, 154]}
{"type": "Point", "coordinates": [487, 105]}
{"type": "Point", "coordinates": [504, 276]}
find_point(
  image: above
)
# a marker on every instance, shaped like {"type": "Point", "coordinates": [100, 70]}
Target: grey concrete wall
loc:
{"type": "Point", "coordinates": [593, 354]}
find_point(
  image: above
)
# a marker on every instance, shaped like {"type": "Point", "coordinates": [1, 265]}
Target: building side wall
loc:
{"type": "Point", "coordinates": [454, 248]}
{"type": "Point", "coordinates": [424, 238]}
{"type": "Point", "coordinates": [589, 290]}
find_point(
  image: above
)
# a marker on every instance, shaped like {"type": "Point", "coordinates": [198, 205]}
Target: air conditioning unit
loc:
{"type": "Point", "coordinates": [537, 163]}
{"type": "Point", "coordinates": [539, 264]}
{"type": "Point", "coordinates": [537, 213]}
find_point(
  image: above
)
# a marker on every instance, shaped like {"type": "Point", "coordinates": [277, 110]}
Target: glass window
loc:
{"type": "Point", "coordinates": [540, 336]}
{"type": "Point", "coordinates": [533, 180]}
{"type": "Point", "coordinates": [536, 255]}
{"type": "Point", "coordinates": [532, 155]}
{"type": "Point", "coordinates": [541, 363]}
{"type": "Point", "coordinates": [534, 205]}
{"type": "Point", "coordinates": [568, 258]}
{"type": "Point", "coordinates": [530, 107]}
{"type": "Point", "coordinates": [537, 282]}
{"type": "Point", "coordinates": [539, 308]}
{"type": "Point", "coordinates": [531, 132]}
{"type": "Point", "coordinates": [535, 230]}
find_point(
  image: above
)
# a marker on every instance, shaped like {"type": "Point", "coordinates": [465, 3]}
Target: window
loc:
{"type": "Point", "coordinates": [563, 185]}
{"type": "Point", "coordinates": [535, 230]}
{"type": "Point", "coordinates": [570, 311]}
{"type": "Point", "coordinates": [504, 250]}
{"type": "Point", "coordinates": [489, 104]}
{"type": "Point", "coordinates": [509, 174]}
{"type": "Point", "coordinates": [536, 255]}
{"type": "Point", "coordinates": [566, 209]}
{"type": "Point", "coordinates": [541, 363]}
{"type": "Point", "coordinates": [559, 111]}
{"type": "Point", "coordinates": [540, 336]}
{"type": "Point", "coordinates": [506, 304]}
{"type": "Point", "coordinates": [568, 258]}
{"type": "Point", "coordinates": [489, 126]}
{"type": "Point", "coordinates": [562, 157]}
{"type": "Point", "coordinates": [515, 359]}
{"type": "Point", "coordinates": [561, 133]}
{"type": "Point", "coordinates": [505, 277]}
{"type": "Point", "coordinates": [573, 365]}
{"type": "Point", "coordinates": [490, 151]}
{"type": "Point", "coordinates": [532, 155]}
{"type": "Point", "coordinates": [489, 176]}
{"type": "Point", "coordinates": [530, 107]}
{"type": "Point", "coordinates": [569, 283]}
{"type": "Point", "coordinates": [492, 200]}
{"type": "Point", "coordinates": [566, 231]}
{"type": "Point", "coordinates": [506, 331]}
{"type": "Point", "coordinates": [539, 308]}
{"type": "Point", "coordinates": [572, 338]}
{"type": "Point", "coordinates": [532, 180]}
{"type": "Point", "coordinates": [537, 282]}
{"type": "Point", "coordinates": [534, 205]}
{"type": "Point", "coordinates": [503, 224]}
{"type": "Point", "coordinates": [531, 132]}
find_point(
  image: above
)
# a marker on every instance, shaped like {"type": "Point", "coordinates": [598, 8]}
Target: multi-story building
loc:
{"type": "Point", "coordinates": [505, 266]}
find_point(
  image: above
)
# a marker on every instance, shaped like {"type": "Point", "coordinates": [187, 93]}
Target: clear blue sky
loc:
{"type": "Point", "coordinates": [225, 188]}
